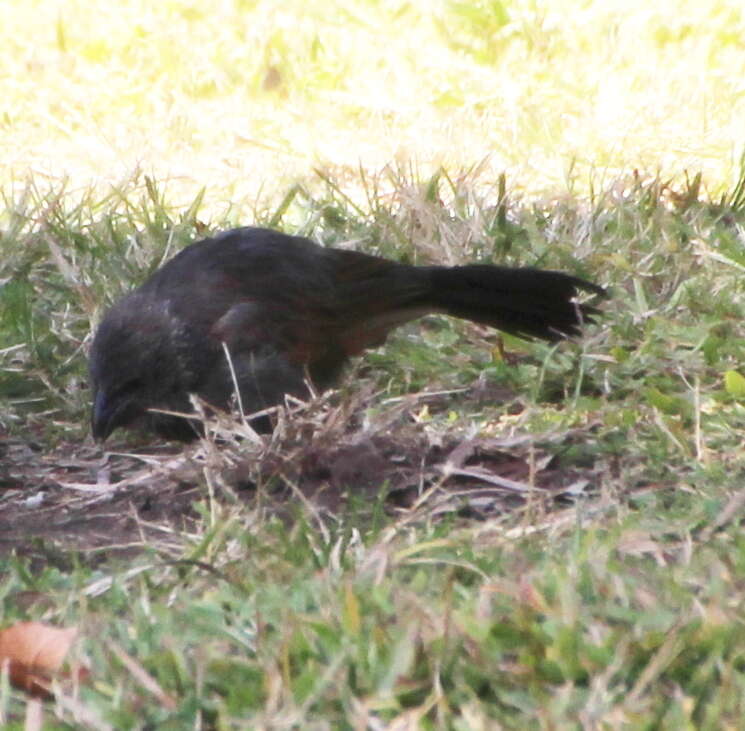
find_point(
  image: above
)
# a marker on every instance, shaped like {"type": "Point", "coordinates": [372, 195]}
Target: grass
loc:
{"type": "Point", "coordinates": [619, 606]}
{"type": "Point", "coordinates": [210, 591]}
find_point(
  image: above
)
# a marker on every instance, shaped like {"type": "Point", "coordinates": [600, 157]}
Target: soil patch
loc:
{"type": "Point", "coordinates": [105, 503]}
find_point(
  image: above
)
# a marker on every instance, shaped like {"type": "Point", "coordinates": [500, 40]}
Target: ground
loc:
{"type": "Point", "coordinates": [469, 528]}
{"type": "Point", "coordinates": [105, 502]}
{"type": "Point", "coordinates": [468, 534]}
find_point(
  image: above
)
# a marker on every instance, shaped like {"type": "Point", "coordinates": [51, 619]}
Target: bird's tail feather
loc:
{"type": "Point", "coordinates": [530, 303]}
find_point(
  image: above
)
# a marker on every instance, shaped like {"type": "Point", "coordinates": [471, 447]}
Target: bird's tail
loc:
{"type": "Point", "coordinates": [378, 295]}
{"type": "Point", "coordinates": [530, 303]}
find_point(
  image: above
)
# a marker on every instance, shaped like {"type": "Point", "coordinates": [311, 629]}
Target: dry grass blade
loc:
{"type": "Point", "coordinates": [520, 487]}
{"type": "Point", "coordinates": [141, 675]}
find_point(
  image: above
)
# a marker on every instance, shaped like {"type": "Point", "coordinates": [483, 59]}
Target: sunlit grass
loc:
{"type": "Point", "coordinates": [244, 95]}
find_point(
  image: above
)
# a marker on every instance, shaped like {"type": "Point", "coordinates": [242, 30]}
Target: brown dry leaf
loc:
{"type": "Point", "coordinates": [33, 652]}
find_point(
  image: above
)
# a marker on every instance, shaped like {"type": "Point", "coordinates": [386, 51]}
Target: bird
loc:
{"type": "Point", "coordinates": [273, 315]}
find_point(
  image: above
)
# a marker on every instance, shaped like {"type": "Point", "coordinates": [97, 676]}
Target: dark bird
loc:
{"type": "Point", "coordinates": [290, 312]}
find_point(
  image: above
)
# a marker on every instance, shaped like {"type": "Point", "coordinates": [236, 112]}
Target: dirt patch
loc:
{"type": "Point", "coordinates": [78, 497]}
{"type": "Point", "coordinates": [83, 498]}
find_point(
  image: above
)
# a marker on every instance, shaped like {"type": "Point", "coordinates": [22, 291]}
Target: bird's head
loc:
{"type": "Point", "coordinates": [134, 367]}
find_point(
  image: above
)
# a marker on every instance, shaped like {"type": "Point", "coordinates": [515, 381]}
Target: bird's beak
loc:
{"type": "Point", "coordinates": [102, 421]}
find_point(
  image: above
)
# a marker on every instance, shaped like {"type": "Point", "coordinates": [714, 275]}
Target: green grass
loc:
{"type": "Point", "coordinates": [567, 138]}
{"type": "Point", "coordinates": [618, 623]}
{"type": "Point", "coordinates": [621, 607]}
